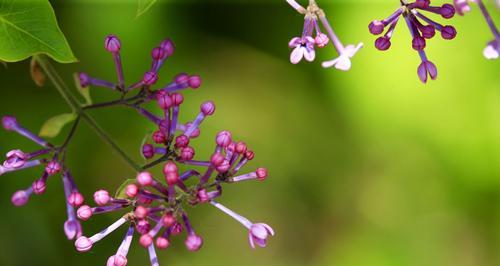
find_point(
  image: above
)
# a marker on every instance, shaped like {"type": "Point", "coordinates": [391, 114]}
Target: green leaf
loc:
{"type": "Point", "coordinates": [29, 27]}
{"type": "Point", "coordinates": [120, 192]}
{"type": "Point", "coordinates": [144, 6]}
{"type": "Point", "coordinates": [53, 126]}
{"type": "Point", "coordinates": [84, 91]}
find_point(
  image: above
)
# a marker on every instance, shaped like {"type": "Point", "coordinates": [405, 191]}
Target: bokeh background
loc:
{"type": "Point", "coordinates": [367, 168]}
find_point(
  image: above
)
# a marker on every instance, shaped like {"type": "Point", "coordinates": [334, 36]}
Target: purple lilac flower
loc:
{"type": "Point", "coordinates": [411, 12]}
{"type": "Point", "coordinates": [492, 49]}
{"type": "Point", "coordinates": [52, 158]}
{"type": "Point", "coordinates": [303, 46]}
{"type": "Point", "coordinates": [153, 208]}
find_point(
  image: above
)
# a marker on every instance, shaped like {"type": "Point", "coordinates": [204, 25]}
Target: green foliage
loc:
{"type": "Point", "coordinates": [28, 28]}
{"type": "Point", "coordinates": [54, 125]}
{"type": "Point", "coordinates": [84, 91]}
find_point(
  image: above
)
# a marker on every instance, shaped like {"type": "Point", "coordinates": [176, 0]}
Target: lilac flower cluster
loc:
{"type": "Point", "coordinates": [156, 209]}
{"type": "Point", "coordinates": [411, 12]}
{"type": "Point", "coordinates": [303, 46]}
{"type": "Point", "coordinates": [492, 49]}
{"type": "Point", "coordinates": [52, 160]}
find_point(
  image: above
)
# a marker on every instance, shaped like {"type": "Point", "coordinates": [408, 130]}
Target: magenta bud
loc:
{"type": "Point", "coordinates": [39, 186]}
{"type": "Point", "coordinates": [376, 27]}
{"type": "Point", "coordinates": [159, 137]}
{"type": "Point", "coordinates": [112, 44]}
{"type": "Point", "coordinates": [141, 212]}
{"type": "Point", "coordinates": [261, 173]}
{"type": "Point", "coordinates": [448, 32]}
{"type": "Point", "coordinates": [143, 226]}
{"type": "Point", "coordinates": [83, 244]}
{"type": "Point", "coordinates": [53, 167]}
{"type": "Point", "coordinates": [172, 178]}
{"type": "Point", "coordinates": [426, 67]}
{"type": "Point", "coordinates": [207, 108]}
{"type": "Point", "coordinates": [428, 31]}
{"type": "Point", "coordinates": [217, 159]}
{"type": "Point", "coordinates": [144, 179]}
{"type": "Point", "coordinates": [181, 78]}
{"type": "Point", "coordinates": [194, 81]}
{"type": "Point", "coordinates": [193, 242]}
{"type": "Point", "coordinates": [423, 3]}
{"type": "Point", "coordinates": [148, 151]}
{"type": "Point", "coordinates": [101, 197]}
{"type": "Point", "coordinates": [84, 80]}
{"type": "Point", "coordinates": [259, 233]}
{"type": "Point", "coordinates": [162, 243]}
{"type": "Point", "coordinates": [75, 199]}
{"type": "Point", "coordinates": [321, 40]}
{"type": "Point", "coordinates": [158, 53]}
{"type": "Point", "coordinates": [132, 190]}
{"type": "Point", "coordinates": [168, 220]}
{"type": "Point", "coordinates": [241, 147]}
{"type": "Point", "coordinates": [117, 260]}
{"type": "Point", "coordinates": [176, 229]}
{"type": "Point", "coordinates": [168, 46]}
{"type": "Point", "coordinates": [164, 100]}
{"type": "Point", "coordinates": [72, 229]}
{"type": "Point", "coordinates": [223, 139]}
{"type": "Point", "coordinates": [382, 43]}
{"type": "Point", "coordinates": [231, 147]}
{"type": "Point", "coordinates": [195, 133]}
{"type": "Point", "coordinates": [15, 159]}
{"type": "Point", "coordinates": [181, 141]}
{"type": "Point", "coordinates": [177, 99]}
{"type": "Point", "coordinates": [146, 240]}
{"type": "Point", "coordinates": [84, 212]}
{"type": "Point", "coordinates": [20, 198]}
{"type": "Point", "coordinates": [9, 122]}
{"type": "Point", "coordinates": [187, 153]}
{"type": "Point", "coordinates": [447, 11]}
{"type": "Point", "coordinates": [223, 167]}
{"type": "Point", "coordinates": [249, 155]}
{"type": "Point", "coordinates": [202, 195]}
{"type": "Point", "coordinates": [164, 125]}
{"type": "Point", "coordinates": [149, 78]}
{"type": "Point", "coordinates": [418, 43]}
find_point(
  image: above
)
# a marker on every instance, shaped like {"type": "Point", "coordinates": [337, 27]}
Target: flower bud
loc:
{"type": "Point", "coordinates": [141, 212]}
{"type": "Point", "coordinates": [101, 197]}
{"type": "Point", "coordinates": [146, 240]}
{"type": "Point", "coordinates": [193, 242]}
{"type": "Point", "coordinates": [162, 243]}
{"type": "Point", "coordinates": [144, 179]}
{"type": "Point", "coordinates": [223, 139]}
{"type": "Point", "coordinates": [159, 137]}
{"type": "Point", "coordinates": [53, 167]}
{"type": "Point", "coordinates": [181, 141]}
{"type": "Point", "coordinates": [241, 147]}
{"type": "Point", "coordinates": [39, 186]}
{"type": "Point", "coordinates": [447, 11]}
{"type": "Point", "coordinates": [187, 153]}
{"type": "Point", "coordinates": [9, 122]}
{"type": "Point", "coordinates": [207, 108]}
{"type": "Point", "coordinates": [149, 78]}
{"type": "Point", "coordinates": [20, 198]}
{"type": "Point", "coordinates": [84, 212]}
{"type": "Point", "coordinates": [177, 99]}
{"type": "Point", "coordinates": [158, 53]}
{"type": "Point", "coordinates": [132, 190]}
{"type": "Point", "coordinates": [376, 27]}
{"type": "Point", "coordinates": [168, 220]}
{"type": "Point", "coordinates": [168, 46]}
{"type": "Point", "coordinates": [382, 43]}
{"type": "Point", "coordinates": [148, 151]}
{"type": "Point", "coordinates": [164, 100]}
{"type": "Point", "coordinates": [112, 44]}
{"type": "Point", "coordinates": [261, 173]}
{"type": "Point", "coordinates": [216, 159]}
{"type": "Point", "coordinates": [75, 199]}
{"type": "Point", "coordinates": [143, 226]}
{"type": "Point", "coordinates": [194, 81]}
{"type": "Point", "coordinates": [83, 244]}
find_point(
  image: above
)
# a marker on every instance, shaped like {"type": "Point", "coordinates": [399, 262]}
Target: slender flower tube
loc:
{"type": "Point", "coordinates": [120, 258]}
{"type": "Point", "coordinates": [113, 45]}
{"type": "Point", "coordinates": [84, 244]}
{"type": "Point", "coordinates": [10, 123]}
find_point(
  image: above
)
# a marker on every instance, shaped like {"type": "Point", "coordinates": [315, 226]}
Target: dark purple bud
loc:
{"type": "Point", "coordinates": [84, 79]}
{"type": "Point", "coordinates": [422, 3]}
{"type": "Point", "coordinates": [448, 32]}
{"type": "Point", "coordinates": [9, 122]}
{"type": "Point", "coordinates": [181, 141]}
{"type": "Point", "coordinates": [112, 43]}
{"type": "Point", "coordinates": [426, 67]}
{"type": "Point", "coordinates": [447, 11]}
{"type": "Point", "coordinates": [428, 31]}
{"type": "Point", "coordinates": [159, 137]}
{"type": "Point", "coordinates": [168, 46]}
{"type": "Point", "coordinates": [418, 43]}
{"type": "Point", "coordinates": [143, 227]}
{"type": "Point", "coordinates": [383, 43]}
{"type": "Point", "coordinates": [158, 53]}
{"type": "Point", "coordinates": [148, 151]}
{"type": "Point", "coordinates": [164, 100]}
{"type": "Point", "coordinates": [39, 186]}
{"type": "Point", "coordinates": [149, 78]}
{"type": "Point", "coordinates": [376, 27]}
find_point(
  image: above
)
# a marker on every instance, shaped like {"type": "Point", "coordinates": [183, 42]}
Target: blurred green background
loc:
{"type": "Point", "coordinates": [367, 167]}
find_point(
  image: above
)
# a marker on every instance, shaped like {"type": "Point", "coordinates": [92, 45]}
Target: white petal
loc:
{"type": "Point", "coordinates": [330, 63]}
{"type": "Point", "coordinates": [490, 53]}
{"type": "Point", "coordinates": [344, 63]}
{"type": "Point", "coordinates": [351, 50]}
{"type": "Point", "coordinates": [309, 55]}
{"type": "Point", "coordinates": [297, 54]}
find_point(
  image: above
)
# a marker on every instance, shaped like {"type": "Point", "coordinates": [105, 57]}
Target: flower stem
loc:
{"type": "Point", "coordinates": [76, 107]}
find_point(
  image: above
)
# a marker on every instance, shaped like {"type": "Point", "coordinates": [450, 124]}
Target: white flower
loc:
{"type": "Point", "coordinates": [343, 62]}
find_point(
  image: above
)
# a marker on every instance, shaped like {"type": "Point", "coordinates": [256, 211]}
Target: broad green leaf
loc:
{"type": "Point", "coordinates": [53, 126]}
{"type": "Point", "coordinates": [120, 192]}
{"type": "Point", "coordinates": [144, 6]}
{"type": "Point", "coordinates": [29, 27]}
{"type": "Point", "coordinates": [84, 91]}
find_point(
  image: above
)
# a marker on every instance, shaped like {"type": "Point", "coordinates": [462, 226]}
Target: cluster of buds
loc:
{"type": "Point", "coordinates": [303, 46]}
{"type": "Point", "coordinates": [154, 208]}
{"type": "Point", "coordinates": [52, 160]}
{"type": "Point", "coordinates": [412, 14]}
{"type": "Point", "coordinates": [492, 49]}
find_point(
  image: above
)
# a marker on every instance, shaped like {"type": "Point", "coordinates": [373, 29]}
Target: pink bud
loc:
{"type": "Point", "coordinates": [202, 195]}
{"type": "Point", "coordinates": [53, 167]}
{"type": "Point", "coordinates": [20, 198]}
{"type": "Point", "coordinates": [84, 212]}
{"type": "Point", "coordinates": [187, 153]}
{"type": "Point", "coordinates": [172, 178]}
{"type": "Point", "coordinates": [249, 155]}
{"type": "Point", "coordinates": [223, 167]}
{"type": "Point", "coordinates": [117, 260]}
{"type": "Point", "coordinates": [146, 240]}
{"type": "Point", "coordinates": [168, 220]}
{"type": "Point", "coordinates": [168, 46]}
{"type": "Point", "coordinates": [9, 122]}
{"type": "Point", "coordinates": [158, 53]}
{"type": "Point", "coordinates": [321, 40]}
{"type": "Point", "coordinates": [83, 244]}
{"type": "Point", "coordinates": [143, 226]}
{"type": "Point", "coordinates": [194, 81]}
{"type": "Point", "coordinates": [39, 186]}
{"type": "Point", "coordinates": [177, 99]}
{"type": "Point", "coordinates": [181, 78]}
{"type": "Point", "coordinates": [75, 199]}
{"type": "Point", "coordinates": [112, 43]}
{"type": "Point", "coordinates": [223, 139]}
{"type": "Point", "coordinates": [176, 229]}
{"type": "Point", "coordinates": [144, 179]}
{"type": "Point", "coordinates": [170, 167]}
{"type": "Point", "coordinates": [241, 147]}
{"type": "Point", "coordinates": [101, 197]}
{"type": "Point", "coordinates": [149, 78]}
{"type": "Point", "coordinates": [217, 159]}
{"type": "Point", "coordinates": [207, 108]}
{"type": "Point", "coordinates": [159, 137]}
{"type": "Point", "coordinates": [162, 243]}
{"type": "Point", "coordinates": [140, 212]}
{"type": "Point", "coordinates": [132, 190]}
{"type": "Point", "coordinates": [164, 100]}
{"type": "Point", "coordinates": [193, 242]}
{"type": "Point", "coordinates": [261, 173]}
{"type": "Point", "coordinates": [181, 141]}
